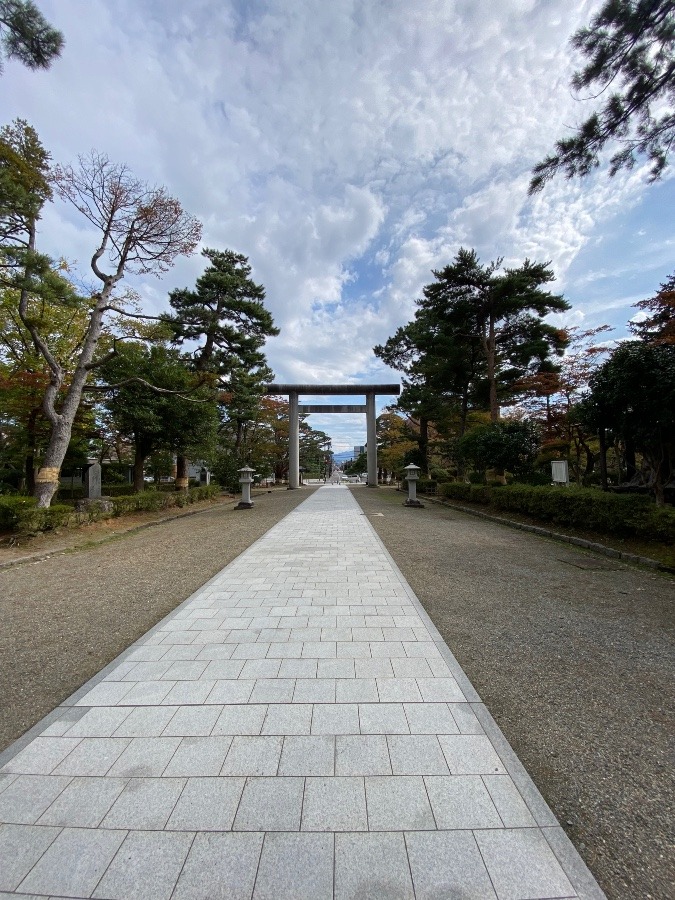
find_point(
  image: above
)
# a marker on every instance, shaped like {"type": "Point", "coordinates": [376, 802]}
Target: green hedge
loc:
{"type": "Point", "coordinates": [21, 514]}
{"type": "Point", "coordinates": [467, 493]}
{"type": "Point", "coordinates": [573, 507]}
{"type": "Point", "coordinates": [11, 508]}
{"type": "Point", "coordinates": [157, 500]}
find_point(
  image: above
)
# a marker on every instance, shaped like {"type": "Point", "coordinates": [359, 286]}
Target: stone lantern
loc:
{"type": "Point", "coordinates": [245, 480]}
{"type": "Point", "coordinates": [412, 473]}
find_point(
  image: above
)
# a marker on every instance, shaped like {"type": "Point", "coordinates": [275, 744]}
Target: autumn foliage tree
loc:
{"type": "Point", "coordinates": [140, 229]}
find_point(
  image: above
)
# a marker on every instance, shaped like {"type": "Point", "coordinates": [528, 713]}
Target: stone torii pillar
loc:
{"type": "Point", "coordinates": [293, 391]}
{"type": "Point", "coordinates": [293, 441]}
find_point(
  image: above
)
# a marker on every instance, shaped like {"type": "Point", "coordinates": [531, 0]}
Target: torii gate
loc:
{"type": "Point", "coordinates": [293, 391]}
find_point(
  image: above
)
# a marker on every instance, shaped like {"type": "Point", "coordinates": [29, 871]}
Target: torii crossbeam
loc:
{"type": "Point", "coordinates": [294, 391]}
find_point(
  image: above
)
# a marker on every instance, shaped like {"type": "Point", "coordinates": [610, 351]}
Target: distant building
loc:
{"type": "Point", "coordinates": [359, 450]}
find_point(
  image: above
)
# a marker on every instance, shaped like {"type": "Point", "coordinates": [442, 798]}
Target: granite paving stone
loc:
{"type": "Point", "coordinates": [469, 754]}
{"type": "Point", "coordinates": [447, 864]}
{"type": "Point", "coordinates": [250, 755]}
{"type": "Point", "coordinates": [198, 756]}
{"type": "Point", "coordinates": [295, 729]}
{"type": "Point", "coordinates": [334, 804]}
{"type": "Point", "coordinates": [295, 867]}
{"type": "Point", "coordinates": [270, 804]}
{"type": "Point", "coordinates": [220, 866]}
{"type": "Point", "coordinates": [364, 754]}
{"type": "Point", "coordinates": [521, 864]}
{"type": "Point", "coordinates": [74, 863]}
{"type": "Point", "coordinates": [84, 802]}
{"type": "Point", "coordinates": [145, 803]}
{"type": "Point", "coordinates": [146, 866]}
{"type": "Point", "coordinates": [461, 801]}
{"type": "Point", "coordinates": [372, 866]}
{"type": "Point", "coordinates": [93, 756]}
{"type": "Point", "coordinates": [41, 756]}
{"type": "Point", "coordinates": [21, 846]}
{"type": "Point", "coordinates": [308, 755]}
{"type": "Point", "coordinates": [207, 804]}
{"type": "Point", "coordinates": [398, 804]}
{"type": "Point", "coordinates": [145, 757]}
{"type": "Point", "coordinates": [28, 796]}
{"type": "Point", "coordinates": [240, 719]}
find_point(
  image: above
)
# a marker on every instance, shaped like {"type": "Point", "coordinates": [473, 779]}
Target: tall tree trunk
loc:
{"type": "Point", "coordinates": [631, 467]}
{"type": "Point", "coordinates": [47, 478]}
{"type": "Point", "coordinates": [491, 357]}
{"type": "Point", "coordinates": [29, 463]}
{"type": "Point", "coordinates": [423, 443]}
{"type": "Point", "coordinates": [603, 458]}
{"type": "Point", "coordinates": [139, 470]}
{"type": "Point", "coordinates": [182, 479]}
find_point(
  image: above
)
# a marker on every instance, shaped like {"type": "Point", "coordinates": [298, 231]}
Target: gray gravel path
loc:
{"type": "Point", "coordinates": [573, 655]}
{"type": "Point", "coordinates": [63, 618]}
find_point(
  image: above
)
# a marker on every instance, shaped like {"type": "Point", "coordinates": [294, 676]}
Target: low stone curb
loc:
{"type": "Point", "coordinates": [556, 536]}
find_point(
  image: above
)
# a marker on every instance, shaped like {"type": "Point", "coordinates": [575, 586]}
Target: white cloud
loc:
{"type": "Point", "coordinates": [347, 149]}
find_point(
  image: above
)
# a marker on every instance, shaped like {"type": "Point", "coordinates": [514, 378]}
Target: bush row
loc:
{"type": "Point", "coordinates": [20, 513]}
{"type": "Point", "coordinates": [575, 507]}
{"type": "Point", "coordinates": [157, 500]}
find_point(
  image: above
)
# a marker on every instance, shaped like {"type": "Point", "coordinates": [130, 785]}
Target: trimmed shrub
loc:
{"type": "Point", "coordinates": [33, 520]}
{"type": "Point", "coordinates": [11, 507]}
{"type": "Point", "coordinates": [151, 501]}
{"type": "Point", "coordinates": [426, 486]}
{"type": "Point", "coordinates": [469, 493]}
{"type": "Point", "coordinates": [575, 508]}
{"type": "Point", "coordinates": [21, 514]}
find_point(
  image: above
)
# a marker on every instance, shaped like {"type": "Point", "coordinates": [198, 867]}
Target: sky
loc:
{"type": "Point", "coordinates": [347, 148]}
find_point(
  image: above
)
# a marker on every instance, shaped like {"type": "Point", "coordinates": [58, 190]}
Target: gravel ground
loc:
{"type": "Point", "coordinates": [64, 618]}
{"type": "Point", "coordinates": [572, 653]}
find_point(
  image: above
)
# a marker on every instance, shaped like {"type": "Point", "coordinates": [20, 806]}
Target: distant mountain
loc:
{"type": "Point", "coordinates": [344, 456]}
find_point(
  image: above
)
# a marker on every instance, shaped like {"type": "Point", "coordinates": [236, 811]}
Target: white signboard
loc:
{"type": "Point", "coordinates": [560, 472]}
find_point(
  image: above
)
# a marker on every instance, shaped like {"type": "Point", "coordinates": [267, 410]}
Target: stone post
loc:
{"type": "Point", "coordinates": [371, 440]}
{"type": "Point", "coordinates": [245, 479]}
{"type": "Point", "coordinates": [293, 442]}
{"type": "Point", "coordinates": [412, 473]}
{"type": "Point", "coordinates": [92, 482]}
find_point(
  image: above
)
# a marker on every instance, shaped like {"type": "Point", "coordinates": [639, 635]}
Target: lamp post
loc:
{"type": "Point", "coordinates": [412, 473]}
{"type": "Point", "coordinates": [245, 480]}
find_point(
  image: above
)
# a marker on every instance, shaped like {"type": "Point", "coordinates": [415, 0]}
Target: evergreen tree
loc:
{"type": "Point", "coordinates": [659, 326]}
{"type": "Point", "coordinates": [227, 316]}
{"type": "Point", "coordinates": [633, 395]}
{"type": "Point", "coordinates": [26, 35]}
{"type": "Point", "coordinates": [154, 399]}
{"type": "Point", "coordinates": [226, 313]}
{"type": "Point", "coordinates": [477, 334]}
{"type": "Point", "coordinates": [629, 47]}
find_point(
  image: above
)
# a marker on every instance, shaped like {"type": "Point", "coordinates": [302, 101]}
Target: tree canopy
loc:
{"type": "Point", "coordinates": [26, 35]}
{"type": "Point", "coordinates": [633, 393]}
{"type": "Point", "coordinates": [478, 332]}
{"type": "Point", "coordinates": [629, 48]}
{"type": "Point", "coordinates": [658, 324]}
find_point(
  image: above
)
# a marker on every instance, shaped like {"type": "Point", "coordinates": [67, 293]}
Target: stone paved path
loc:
{"type": "Point", "coordinates": [296, 729]}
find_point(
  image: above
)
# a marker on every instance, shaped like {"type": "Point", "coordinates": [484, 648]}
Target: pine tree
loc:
{"type": "Point", "coordinates": [227, 316]}
{"type": "Point", "coordinates": [630, 52]}
{"type": "Point", "coordinates": [659, 327]}
{"type": "Point", "coordinates": [26, 35]}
